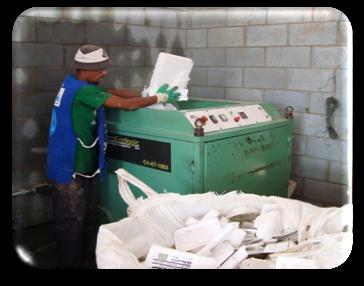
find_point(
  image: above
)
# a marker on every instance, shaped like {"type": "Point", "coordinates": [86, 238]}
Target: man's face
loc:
{"type": "Point", "coordinates": [94, 76]}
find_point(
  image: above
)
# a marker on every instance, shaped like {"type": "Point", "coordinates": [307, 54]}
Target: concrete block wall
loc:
{"type": "Point", "coordinates": [287, 56]}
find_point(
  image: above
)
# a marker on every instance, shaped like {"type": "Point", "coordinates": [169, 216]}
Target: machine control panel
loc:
{"type": "Point", "coordinates": [228, 117]}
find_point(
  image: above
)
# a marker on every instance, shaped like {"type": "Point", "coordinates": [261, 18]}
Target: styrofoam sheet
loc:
{"type": "Point", "coordinates": [171, 69]}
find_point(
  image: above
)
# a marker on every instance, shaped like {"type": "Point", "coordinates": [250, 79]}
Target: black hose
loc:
{"type": "Point", "coordinates": [331, 105]}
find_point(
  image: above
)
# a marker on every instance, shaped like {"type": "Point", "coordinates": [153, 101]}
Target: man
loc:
{"type": "Point", "coordinates": [76, 150]}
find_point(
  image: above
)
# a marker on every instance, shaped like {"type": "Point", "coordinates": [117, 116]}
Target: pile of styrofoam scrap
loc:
{"type": "Point", "coordinates": [244, 237]}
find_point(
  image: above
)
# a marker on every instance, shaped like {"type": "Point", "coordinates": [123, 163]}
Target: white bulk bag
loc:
{"type": "Point", "coordinates": [153, 220]}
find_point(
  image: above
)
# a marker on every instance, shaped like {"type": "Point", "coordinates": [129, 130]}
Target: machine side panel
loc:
{"type": "Point", "coordinates": [253, 163]}
{"type": "Point", "coordinates": [179, 179]}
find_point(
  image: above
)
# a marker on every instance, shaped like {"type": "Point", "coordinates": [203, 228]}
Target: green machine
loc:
{"type": "Point", "coordinates": [200, 147]}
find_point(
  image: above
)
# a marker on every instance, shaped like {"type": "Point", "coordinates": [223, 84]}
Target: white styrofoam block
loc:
{"type": "Point", "coordinates": [235, 237]}
{"type": "Point", "coordinates": [211, 214]}
{"type": "Point", "coordinates": [254, 263]}
{"type": "Point", "coordinates": [162, 106]}
{"type": "Point", "coordinates": [255, 251]}
{"type": "Point", "coordinates": [183, 96]}
{"type": "Point", "coordinates": [270, 240]}
{"type": "Point", "coordinates": [173, 70]}
{"type": "Point", "coordinates": [269, 224]}
{"type": "Point", "coordinates": [140, 244]}
{"type": "Point", "coordinates": [235, 224]}
{"type": "Point", "coordinates": [191, 221]}
{"type": "Point", "coordinates": [222, 251]}
{"type": "Point", "coordinates": [197, 234]}
{"type": "Point", "coordinates": [167, 258]}
{"type": "Point", "coordinates": [196, 250]}
{"type": "Point", "coordinates": [250, 231]}
{"type": "Point", "coordinates": [295, 263]}
{"type": "Point", "coordinates": [269, 207]}
{"type": "Point", "coordinates": [242, 210]}
{"type": "Point", "coordinates": [257, 245]}
{"type": "Point", "coordinates": [278, 247]}
{"type": "Point", "coordinates": [211, 244]}
{"type": "Point", "coordinates": [224, 221]}
{"type": "Point", "coordinates": [235, 259]}
{"type": "Point", "coordinates": [247, 224]}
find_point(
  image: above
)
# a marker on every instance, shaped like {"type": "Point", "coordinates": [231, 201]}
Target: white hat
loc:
{"type": "Point", "coordinates": [91, 57]}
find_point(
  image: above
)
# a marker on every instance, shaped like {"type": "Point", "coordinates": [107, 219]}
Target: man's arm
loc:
{"type": "Point", "coordinates": [124, 93]}
{"type": "Point", "coordinates": [163, 95]}
{"type": "Point", "coordinates": [115, 101]}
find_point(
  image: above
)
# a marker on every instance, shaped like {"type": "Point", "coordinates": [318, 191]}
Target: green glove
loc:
{"type": "Point", "coordinates": [172, 95]}
{"type": "Point", "coordinates": [163, 88]}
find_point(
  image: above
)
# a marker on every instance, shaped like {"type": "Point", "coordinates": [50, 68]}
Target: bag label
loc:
{"type": "Point", "coordinates": [144, 152]}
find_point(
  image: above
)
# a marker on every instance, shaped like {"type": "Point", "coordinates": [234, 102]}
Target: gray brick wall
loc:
{"type": "Point", "coordinates": [23, 80]}
{"type": "Point", "coordinates": [313, 34]}
{"type": "Point", "coordinates": [127, 56]}
{"type": "Point", "coordinates": [24, 29]}
{"type": "Point", "coordinates": [245, 16]}
{"type": "Point", "coordinates": [161, 17]}
{"type": "Point", "coordinates": [310, 79]}
{"type": "Point", "coordinates": [96, 14]}
{"type": "Point", "coordinates": [266, 35]}
{"type": "Point", "coordinates": [50, 79]}
{"type": "Point", "coordinates": [288, 57]}
{"type": "Point", "coordinates": [227, 77]}
{"type": "Point", "coordinates": [56, 31]}
{"type": "Point", "coordinates": [265, 78]}
{"type": "Point", "coordinates": [329, 57]}
{"type": "Point", "coordinates": [281, 98]}
{"type": "Point", "coordinates": [288, 15]}
{"type": "Point", "coordinates": [32, 55]}
{"type": "Point", "coordinates": [34, 104]}
{"type": "Point", "coordinates": [46, 12]}
{"type": "Point", "coordinates": [244, 94]}
{"type": "Point", "coordinates": [245, 57]}
{"type": "Point", "coordinates": [128, 15]}
{"type": "Point", "coordinates": [105, 34]}
{"type": "Point", "coordinates": [292, 57]}
{"type": "Point", "coordinates": [309, 167]}
{"type": "Point", "coordinates": [202, 18]}
{"type": "Point", "coordinates": [325, 192]}
{"type": "Point", "coordinates": [226, 37]}
{"type": "Point", "coordinates": [207, 57]}
{"type": "Point", "coordinates": [197, 38]}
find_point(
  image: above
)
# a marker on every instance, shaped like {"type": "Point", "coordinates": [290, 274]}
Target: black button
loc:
{"type": "Point", "coordinates": [243, 115]}
{"type": "Point", "coordinates": [213, 119]}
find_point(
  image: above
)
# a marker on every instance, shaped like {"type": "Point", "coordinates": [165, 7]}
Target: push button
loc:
{"type": "Point", "coordinates": [213, 118]}
{"type": "Point", "coordinates": [243, 115]}
{"type": "Point", "coordinates": [223, 117]}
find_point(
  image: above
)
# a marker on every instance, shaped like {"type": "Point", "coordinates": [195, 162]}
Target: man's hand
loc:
{"type": "Point", "coordinates": [165, 95]}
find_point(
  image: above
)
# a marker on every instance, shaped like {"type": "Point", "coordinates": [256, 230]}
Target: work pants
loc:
{"type": "Point", "coordinates": [75, 226]}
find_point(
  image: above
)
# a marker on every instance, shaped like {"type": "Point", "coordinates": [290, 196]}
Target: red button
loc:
{"type": "Point", "coordinates": [237, 118]}
{"type": "Point", "coordinates": [204, 118]}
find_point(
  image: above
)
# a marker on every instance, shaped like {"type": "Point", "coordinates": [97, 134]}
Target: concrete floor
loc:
{"type": "Point", "coordinates": [38, 243]}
